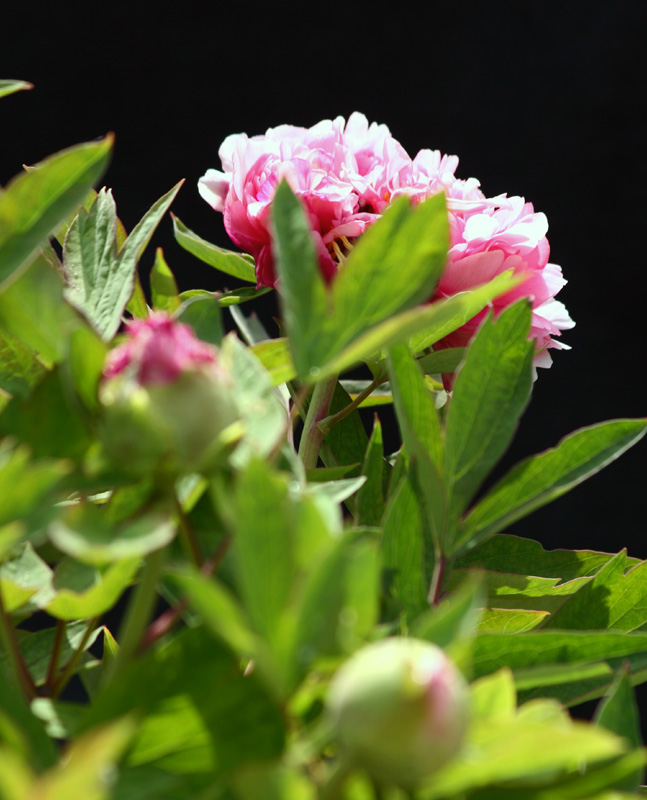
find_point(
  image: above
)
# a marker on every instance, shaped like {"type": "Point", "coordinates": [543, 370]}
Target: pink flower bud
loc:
{"type": "Point", "coordinates": [399, 708]}
{"type": "Point", "coordinates": [166, 398]}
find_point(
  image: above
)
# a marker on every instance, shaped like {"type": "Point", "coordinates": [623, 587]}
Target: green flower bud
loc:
{"type": "Point", "coordinates": [166, 399]}
{"type": "Point", "coordinates": [399, 709]}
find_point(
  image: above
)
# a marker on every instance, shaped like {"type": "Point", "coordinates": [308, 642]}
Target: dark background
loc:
{"type": "Point", "coordinates": [544, 100]}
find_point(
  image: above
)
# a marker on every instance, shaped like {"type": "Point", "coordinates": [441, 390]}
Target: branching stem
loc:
{"type": "Point", "coordinates": [312, 436]}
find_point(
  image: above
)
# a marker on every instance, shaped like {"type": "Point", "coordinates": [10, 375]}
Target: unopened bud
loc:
{"type": "Point", "coordinates": [399, 709]}
{"type": "Point", "coordinates": [166, 398]}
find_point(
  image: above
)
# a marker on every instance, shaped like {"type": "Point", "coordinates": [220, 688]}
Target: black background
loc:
{"type": "Point", "coordinates": [545, 100]}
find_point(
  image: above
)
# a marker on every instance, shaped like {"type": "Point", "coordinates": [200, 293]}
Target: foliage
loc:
{"type": "Point", "coordinates": [276, 566]}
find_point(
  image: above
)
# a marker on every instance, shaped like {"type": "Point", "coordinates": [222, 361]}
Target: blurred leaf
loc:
{"type": "Point", "coordinates": [275, 356]}
{"type": "Point", "coordinates": [86, 358]}
{"type": "Point", "coordinates": [20, 370]}
{"type": "Point", "coordinates": [75, 600]}
{"type": "Point", "coordinates": [618, 713]}
{"type": "Point", "coordinates": [514, 554]}
{"type": "Point", "coordinates": [370, 499]}
{"type": "Point", "coordinates": [539, 479]}
{"type": "Point", "coordinates": [22, 576]}
{"type": "Point", "coordinates": [305, 300]}
{"type": "Point", "coordinates": [260, 406]}
{"type": "Point", "coordinates": [37, 647]}
{"type": "Point", "coordinates": [529, 752]}
{"type": "Point", "coordinates": [35, 202]}
{"type": "Point", "coordinates": [494, 696]}
{"type": "Point", "coordinates": [8, 87]}
{"type": "Point", "coordinates": [163, 286]}
{"type": "Point", "coordinates": [25, 485]}
{"type": "Point", "coordinates": [36, 745]}
{"type": "Point", "coordinates": [272, 782]}
{"type": "Point", "coordinates": [137, 304]}
{"type": "Point", "coordinates": [101, 279]}
{"type": "Point", "coordinates": [88, 765]}
{"type": "Point", "coordinates": [456, 617]}
{"type": "Point", "coordinates": [201, 713]}
{"type": "Point", "coordinates": [379, 397]}
{"type": "Point", "coordinates": [491, 390]}
{"type": "Point", "coordinates": [85, 534]}
{"type": "Point", "coordinates": [49, 420]}
{"type": "Point", "coordinates": [240, 265]}
{"type": "Point", "coordinates": [203, 315]}
{"type": "Point", "coordinates": [32, 309]}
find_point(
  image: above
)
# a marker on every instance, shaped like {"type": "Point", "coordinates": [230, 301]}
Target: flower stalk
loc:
{"type": "Point", "coordinates": [312, 436]}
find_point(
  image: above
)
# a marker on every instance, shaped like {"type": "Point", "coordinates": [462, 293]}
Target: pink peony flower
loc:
{"type": "Point", "coordinates": [157, 350]}
{"type": "Point", "coordinates": [347, 173]}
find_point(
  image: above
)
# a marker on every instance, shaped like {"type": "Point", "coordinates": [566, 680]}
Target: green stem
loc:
{"type": "Point", "coordinates": [50, 680]}
{"type": "Point", "coordinates": [312, 436]}
{"type": "Point", "coordinates": [326, 424]}
{"type": "Point", "coordinates": [436, 587]}
{"type": "Point", "coordinates": [140, 608]}
{"type": "Point", "coordinates": [71, 665]}
{"type": "Point", "coordinates": [10, 646]}
{"type": "Point", "coordinates": [187, 535]}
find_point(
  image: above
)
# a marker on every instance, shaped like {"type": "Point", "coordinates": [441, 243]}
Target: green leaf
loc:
{"type": "Point", "coordinates": [20, 370]}
{"type": "Point", "coordinates": [380, 396]}
{"type": "Point", "coordinates": [8, 87]}
{"type": "Point", "coordinates": [163, 286]}
{"type": "Point", "coordinates": [37, 647]}
{"type": "Point", "coordinates": [394, 265]}
{"type": "Point", "coordinates": [24, 576]}
{"type": "Point", "coordinates": [510, 620]}
{"type": "Point", "coordinates": [523, 592]}
{"type": "Point", "coordinates": [25, 485]}
{"type": "Point", "coordinates": [50, 419]}
{"type": "Point", "coordinates": [536, 481]}
{"type": "Point", "coordinates": [275, 356]}
{"type": "Point", "coordinates": [347, 441]}
{"type": "Point", "coordinates": [420, 327]}
{"type": "Point", "coordinates": [538, 648]}
{"type": "Point", "coordinates": [203, 315]}
{"type": "Point", "coordinates": [610, 600]}
{"type": "Point", "coordinates": [370, 498]}
{"type": "Point", "coordinates": [75, 600]}
{"type": "Point", "coordinates": [86, 358]}
{"type": "Point", "coordinates": [305, 300]}
{"type": "Point", "coordinates": [200, 713]}
{"type": "Point", "coordinates": [82, 773]}
{"type": "Point", "coordinates": [455, 619]}
{"type": "Point", "coordinates": [101, 280]}
{"type": "Point", "coordinates": [403, 552]}
{"type": "Point", "coordinates": [528, 751]}
{"type": "Point", "coordinates": [240, 265]}
{"type": "Point", "coordinates": [491, 390]}
{"type": "Point", "coordinates": [85, 534]}
{"type": "Point", "coordinates": [32, 309]}
{"type": "Point", "coordinates": [421, 433]}
{"type": "Point", "coordinates": [618, 713]}
{"type": "Point", "coordinates": [261, 409]}
{"type": "Point", "coordinates": [442, 361]}
{"type": "Point", "coordinates": [38, 747]}
{"type": "Point", "coordinates": [35, 202]}
{"type": "Point", "coordinates": [514, 554]}
{"type": "Point", "coordinates": [494, 696]}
